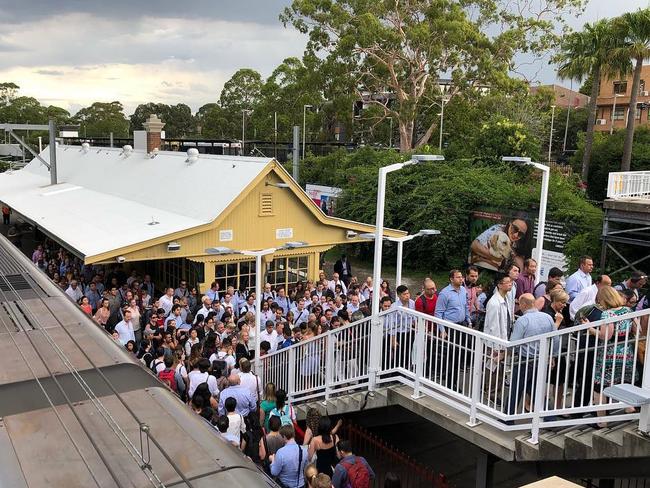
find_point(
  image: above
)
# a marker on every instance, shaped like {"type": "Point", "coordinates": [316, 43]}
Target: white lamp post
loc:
{"type": "Point", "coordinates": [258, 279]}
{"type": "Point", "coordinates": [376, 334]}
{"type": "Point", "coordinates": [304, 127]}
{"type": "Point", "coordinates": [550, 137]}
{"type": "Point", "coordinates": [244, 113]}
{"type": "Point", "coordinates": [611, 128]}
{"type": "Point", "coordinates": [400, 247]}
{"type": "Point", "coordinates": [541, 219]}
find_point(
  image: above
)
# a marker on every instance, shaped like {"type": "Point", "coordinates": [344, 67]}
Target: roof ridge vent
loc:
{"type": "Point", "coordinates": [192, 156]}
{"type": "Point", "coordinates": [126, 150]}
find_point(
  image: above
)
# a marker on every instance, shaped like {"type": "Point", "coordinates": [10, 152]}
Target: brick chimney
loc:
{"type": "Point", "coordinates": [153, 126]}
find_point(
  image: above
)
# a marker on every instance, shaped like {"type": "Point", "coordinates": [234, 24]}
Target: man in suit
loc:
{"type": "Point", "coordinates": [343, 268]}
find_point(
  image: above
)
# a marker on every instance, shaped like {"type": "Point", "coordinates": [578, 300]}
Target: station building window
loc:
{"type": "Point", "coordinates": [288, 271]}
{"type": "Point", "coordinates": [235, 274]}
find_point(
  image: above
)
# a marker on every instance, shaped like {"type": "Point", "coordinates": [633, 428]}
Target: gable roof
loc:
{"type": "Point", "coordinates": [106, 200]}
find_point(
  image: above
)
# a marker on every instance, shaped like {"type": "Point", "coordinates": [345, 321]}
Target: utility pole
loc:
{"type": "Point", "coordinates": [296, 152]}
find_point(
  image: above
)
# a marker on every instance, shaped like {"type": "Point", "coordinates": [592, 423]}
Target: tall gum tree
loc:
{"type": "Point", "coordinates": [395, 51]}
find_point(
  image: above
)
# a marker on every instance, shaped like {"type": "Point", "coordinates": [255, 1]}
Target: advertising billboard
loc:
{"type": "Point", "coordinates": [324, 196]}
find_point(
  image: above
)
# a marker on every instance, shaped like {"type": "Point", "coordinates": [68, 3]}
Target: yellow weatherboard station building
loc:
{"type": "Point", "coordinates": [160, 211]}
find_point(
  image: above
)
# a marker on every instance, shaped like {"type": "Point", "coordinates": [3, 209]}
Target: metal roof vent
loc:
{"type": "Point", "coordinates": [85, 147]}
{"type": "Point", "coordinates": [192, 156]}
{"type": "Point", "coordinates": [126, 150]}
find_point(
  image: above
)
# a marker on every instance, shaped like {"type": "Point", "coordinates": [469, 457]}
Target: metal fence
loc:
{"type": "Point", "coordinates": [548, 380]}
{"type": "Point", "coordinates": [385, 458]}
{"type": "Point", "coordinates": [629, 184]}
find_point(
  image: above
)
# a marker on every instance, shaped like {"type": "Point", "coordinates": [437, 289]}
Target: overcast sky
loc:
{"type": "Point", "coordinates": [165, 51]}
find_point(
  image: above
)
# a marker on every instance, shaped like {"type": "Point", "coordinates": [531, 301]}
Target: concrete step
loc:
{"type": "Point", "coordinates": [634, 443]}
{"type": "Point", "coordinates": [608, 442]}
{"type": "Point", "coordinates": [578, 443]}
{"type": "Point", "coordinates": [551, 445]}
{"type": "Point", "coordinates": [524, 450]}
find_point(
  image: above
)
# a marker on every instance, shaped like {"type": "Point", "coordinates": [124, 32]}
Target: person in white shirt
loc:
{"type": "Point", "coordinates": [193, 339]}
{"type": "Point", "coordinates": [74, 291]}
{"type": "Point", "coordinates": [205, 309]}
{"type": "Point", "coordinates": [283, 301]}
{"type": "Point", "coordinates": [336, 281]}
{"type": "Point", "coordinates": [249, 380]}
{"type": "Point", "coordinates": [353, 304]}
{"type": "Point", "coordinates": [300, 313]}
{"type": "Point", "coordinates": [270, 335]}
{"type": "Point", "coordinates": [587, 296]}
{"type": "Point", "coordinates": [498, 318]}
{"type": "Point", "coordinates": [267, 293]}
{"type": "Point", "coordinates": [248, 305]}
{"type": "Point", "coordinates": [581, 279]}
{"type": "Point", "coordinates": [125, 328]}
{"type": "Point", "coordinates": [166, 301]}
{"type": "Point", "coordinates": [201, 375]}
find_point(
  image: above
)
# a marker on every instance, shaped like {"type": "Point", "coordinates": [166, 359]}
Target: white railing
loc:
{"type": "Point", "coordinates": [548, 380]}
{"type": "Point", "coordinates": [629, 184]}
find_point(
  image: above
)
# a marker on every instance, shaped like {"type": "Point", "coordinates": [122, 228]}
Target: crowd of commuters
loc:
{"type": "Point", "coordinates": [202, 345]}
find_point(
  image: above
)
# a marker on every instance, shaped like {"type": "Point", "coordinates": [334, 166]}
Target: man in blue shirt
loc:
{"type": "Point", "coordinates": [288, 464]}
{"type": "Point", "coordinates": [581, 279]}
{"type": "Point", "coordinates": [246, 403]}
{"type": "Point", "coordinates": [401, 329]}
{"type": "Point", "coordinates": [453, 306]}
{"type": "Point", "coordinates": [530, 324]}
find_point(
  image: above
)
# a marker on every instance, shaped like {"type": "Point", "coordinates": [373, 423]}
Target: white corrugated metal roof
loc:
{"type": "Point", "coordinates": [105, 201]}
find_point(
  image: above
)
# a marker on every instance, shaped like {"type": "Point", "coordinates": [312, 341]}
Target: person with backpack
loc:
{"type": "Point", "coordinates": [168, 375]}
{"type": "Point", "coordinates": [286, 413]}
{"type": "Point", "coordinates": [352, 471]}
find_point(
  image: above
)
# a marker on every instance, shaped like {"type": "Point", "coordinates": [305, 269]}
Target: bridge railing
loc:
{"type": "Point", "coordinates": [629, 184]}
{"type": "Point", "coordinates": [548, 380]}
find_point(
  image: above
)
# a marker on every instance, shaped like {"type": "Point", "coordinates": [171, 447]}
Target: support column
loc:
{"type": "Point", "coordinates": [603, 249]}
{"type": "Point", "coordinates": [484, 469]}
{"type": "Point", "coordinates": [208, 275]}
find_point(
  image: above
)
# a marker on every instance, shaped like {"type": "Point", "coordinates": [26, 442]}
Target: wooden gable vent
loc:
{"type": "Point", "coordinates": [266, 204]}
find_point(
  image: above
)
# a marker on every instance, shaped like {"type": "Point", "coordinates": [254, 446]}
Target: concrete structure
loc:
{"type": "Point", "coordinates": [564, 97]}
{"type": "Point", "coordinates": [166, 208]}
{"type": "Point", "coordinates": [614, 98]}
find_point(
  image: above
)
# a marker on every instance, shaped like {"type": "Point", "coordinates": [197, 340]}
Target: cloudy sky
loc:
{"type": "Point", "coordinates": [82, 51]}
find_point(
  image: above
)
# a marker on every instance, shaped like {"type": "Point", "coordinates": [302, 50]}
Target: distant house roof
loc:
{"type": "Point", "coordinates": [106, 200]}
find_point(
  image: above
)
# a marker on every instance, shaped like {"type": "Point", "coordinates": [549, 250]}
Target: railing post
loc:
{"type": "Point", "coordinates": [376, 337]}
{"type": "Point", "coordinates": [477, 371]}
{"type": "Point", "coordinates": [291, 383]}
{"type": "Point", "coordinates": [540, 389]}
{"type": "Point", "coordinates": [330, 366]}
{"type": "Point", "coordinates": [420, 347]}
{"type": "Point", "coordinates": [644, 417]}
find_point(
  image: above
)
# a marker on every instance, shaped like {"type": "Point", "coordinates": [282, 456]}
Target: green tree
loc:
{"type": "Point", "coordinates": [8, 91]}
{"type": "Point", "coordinates": [211, 120]}
{"type": "Point", "coordinates": [634, 29]}
{"type": "Point", "coordinates": [22, 110]}
{"type": "Point", "coordinates": [396, 51]}
{"type": "Point", "coordinates": [589, 53]}
{"type": "Point", "coordinates": [503, 137]}
{"type": "Point", "coordinates": [102, 118]}
{"type": "Point", "coordinates": [60, 115]}
{"type": "Point", "coordinates": [178, 119]}
{"type": "Point", "coordinates": [241, 92]}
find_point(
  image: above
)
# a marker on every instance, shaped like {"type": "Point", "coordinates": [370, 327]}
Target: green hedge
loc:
{"type": "Point", "coordinates": [443, 195]}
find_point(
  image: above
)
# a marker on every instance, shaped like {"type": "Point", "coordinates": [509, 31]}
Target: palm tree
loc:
{"type": "Point", "coordinates": [634, 30]}
{"type": "Point", "coordinates": [589, 53]}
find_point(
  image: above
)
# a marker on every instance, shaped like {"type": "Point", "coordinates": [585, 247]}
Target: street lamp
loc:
{"type": "Point", "coordinates": [304, 126]}
{"type": "Point", "coordinates": [400, 247]}
{"type": "Point", "coordinates": [541, 219]}
{"type": "Point", "coordinates": [442, 119]}
{"type": "Point", "coordinates": [550, 137]}
{"type": "Point", "coordinates": [611, 129]}
{"type": "Point", "coordinates": [244, 113]}
{"type": "Point", "coordinates": [258, 278]}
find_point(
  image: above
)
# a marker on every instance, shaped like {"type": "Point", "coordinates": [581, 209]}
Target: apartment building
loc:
{"type": "Point", "coordinates": [614, 99]}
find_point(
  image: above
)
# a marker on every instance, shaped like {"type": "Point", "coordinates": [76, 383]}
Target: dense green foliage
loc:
{"type": "Point", "coordinates": [178, 118]}
{"type": "Point", "coordinates": [443, 195]}
{"type": "Point", "coordinates": [607, 153]}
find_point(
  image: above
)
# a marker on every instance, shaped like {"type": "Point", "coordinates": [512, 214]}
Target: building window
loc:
{"type": "Point", "coordinates": [288, 271]}
{"type": "Point", "coordinates": [266, 204]}
{"type": "Point", "coordinates": [619, 113]}
{"type": "Point", "coordinates": [235, 274]}
{"type": "Point", "coordinates": [642, 87]}
{"type": "Point", "coordinates": [638, 113]}
{"type": "Point", "coordinates": [620, 87]}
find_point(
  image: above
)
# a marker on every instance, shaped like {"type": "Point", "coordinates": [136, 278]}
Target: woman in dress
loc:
{"type": "Point", "coordinates": [267, 405]}
{"type": "Point", "coordinates": [324, 446]}
{"type": "Point", "coordinates": [615, 363]}
{"type": "Point", "coordinates": [103, 313]}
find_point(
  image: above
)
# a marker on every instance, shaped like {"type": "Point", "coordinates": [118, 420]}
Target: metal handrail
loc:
{"type": "Point", "coordinates": [628, 184]}
{"type": "Point", "coordinates": [485, 377]}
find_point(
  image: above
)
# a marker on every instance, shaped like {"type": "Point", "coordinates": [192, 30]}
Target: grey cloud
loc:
{"type": "Point", "coordinates": [50, 72]}
{"type": "Point", "coordinates": [257, 11]}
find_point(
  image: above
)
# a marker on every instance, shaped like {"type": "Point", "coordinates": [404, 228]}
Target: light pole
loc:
{"type": "Point", "coordinates": [400, 247]}
{"type": "Point", "coordinates": [541, 219]}
{"type": "Point", "coordinates": [611, 128]}
{"type": "Point", "coordinates": [442, 119]}
{"type": "Point", "coordinates": [275, 134]}
{"type": "Point", "coordinates": [376, 334]}
{"type": "Point", "coordinates": [304, 126]}
{"type": "Point", "coordinates": [566, 126]}
{"type": "Point", "coordinates": [244, 113]}
{"type": "Point", "coordinates": [550, 137]}
{"type": "Point", "coordinates": [390, 133]}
